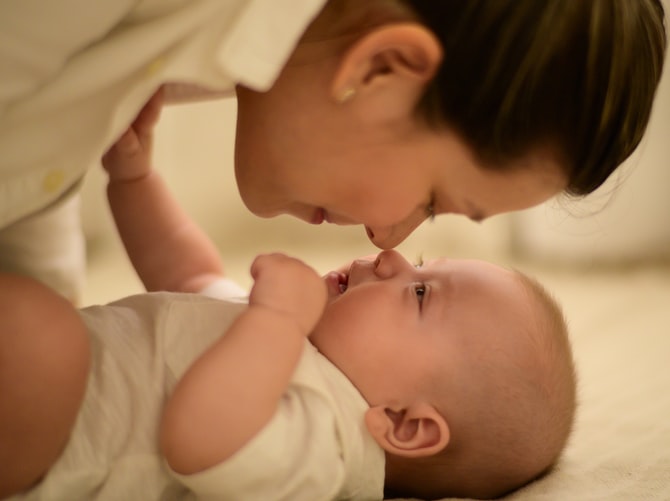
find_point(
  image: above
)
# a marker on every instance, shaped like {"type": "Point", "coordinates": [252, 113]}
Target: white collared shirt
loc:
{"type": "Point", "coordinates": [75, 73]}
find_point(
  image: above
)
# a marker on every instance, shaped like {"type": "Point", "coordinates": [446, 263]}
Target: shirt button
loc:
{"type": "Point", "coordinates": [154, 67]}
{"type": "Point", "coordinates": [53, 181]}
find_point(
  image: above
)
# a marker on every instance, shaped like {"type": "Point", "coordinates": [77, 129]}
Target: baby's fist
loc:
{"type": "Point", "coordinates": [288, 286]}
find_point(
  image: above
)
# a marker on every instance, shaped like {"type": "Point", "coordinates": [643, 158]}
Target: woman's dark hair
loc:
{"type": "Point", "coordinates": [577, 76]}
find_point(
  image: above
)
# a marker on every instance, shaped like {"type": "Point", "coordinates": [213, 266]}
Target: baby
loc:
{"type": "Point", "coordinates": [454, 378]}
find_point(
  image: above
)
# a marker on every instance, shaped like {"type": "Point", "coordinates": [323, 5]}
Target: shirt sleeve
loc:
{"type": "Point", "coordinates": [297, 456]}
{"type": "Point", "coordinates": [37, 38]}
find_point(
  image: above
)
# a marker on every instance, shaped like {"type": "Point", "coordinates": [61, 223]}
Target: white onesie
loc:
{"type": "Point", "coordinates": [315, 447]}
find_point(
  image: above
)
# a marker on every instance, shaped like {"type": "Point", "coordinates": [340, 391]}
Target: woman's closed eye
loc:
{"type": "Point", "coordinates": [430, 209]}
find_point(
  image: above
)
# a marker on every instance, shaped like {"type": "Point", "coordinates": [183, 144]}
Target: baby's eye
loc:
{"type": "Point", "coordinates": [420, 291]}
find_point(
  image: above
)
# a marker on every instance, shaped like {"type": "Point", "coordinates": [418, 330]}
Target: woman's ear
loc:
{"type": "Point", "coordinates": [384, 72]}
{"type": "Point", "coordinates": [417, 431]}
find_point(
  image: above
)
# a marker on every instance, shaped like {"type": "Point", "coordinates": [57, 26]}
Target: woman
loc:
{"type": "Point", "coordinates": [381, 113]}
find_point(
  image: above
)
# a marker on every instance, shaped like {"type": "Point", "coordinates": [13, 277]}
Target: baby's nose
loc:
{"type": "Point", "coordinates": [389, 263]}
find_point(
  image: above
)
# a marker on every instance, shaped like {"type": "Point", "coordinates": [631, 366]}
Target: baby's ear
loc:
{"type": "Point", "coordinates": [416, 431]}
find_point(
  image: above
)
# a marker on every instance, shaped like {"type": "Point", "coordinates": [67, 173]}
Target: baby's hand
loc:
{"type": "Point", "coordinates": [288, 286]}
{"type": "Point", "coordinates": [130, 157]}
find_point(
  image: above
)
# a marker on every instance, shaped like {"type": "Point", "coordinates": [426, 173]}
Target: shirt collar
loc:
{"type": "Point", "coordinates": [261, 40]}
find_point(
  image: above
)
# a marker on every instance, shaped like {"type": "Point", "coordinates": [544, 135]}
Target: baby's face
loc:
{"type": "Point", "coordinates": [392, 327]}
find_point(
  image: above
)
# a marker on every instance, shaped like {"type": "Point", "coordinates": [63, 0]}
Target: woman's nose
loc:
{"type": "Point", "coordinates": [389, 263]}
{"type": "Point", "coordinates": [387, 237]}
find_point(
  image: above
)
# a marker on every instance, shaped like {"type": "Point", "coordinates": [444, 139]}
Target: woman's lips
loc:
{"type": "Point", "coordinates": [319, 216]}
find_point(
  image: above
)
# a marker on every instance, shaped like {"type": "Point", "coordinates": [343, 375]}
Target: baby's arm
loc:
{"type": "Point", "coordinates": [167, 249]}
{"type": "Point", "coordinates": [233, 389]}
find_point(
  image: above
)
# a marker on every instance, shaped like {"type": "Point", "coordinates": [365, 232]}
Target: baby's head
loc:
{"type": "Point", "coordinates": [466, 366]}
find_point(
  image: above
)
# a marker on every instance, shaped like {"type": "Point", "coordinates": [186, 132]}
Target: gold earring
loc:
{"type": "Point", "coordinates": [346, 95]}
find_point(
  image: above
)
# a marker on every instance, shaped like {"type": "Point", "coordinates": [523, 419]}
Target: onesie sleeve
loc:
{"type": "Point", "coordinates": [297, 456]}
{"type": "Point", "coordinates": [225, 288]}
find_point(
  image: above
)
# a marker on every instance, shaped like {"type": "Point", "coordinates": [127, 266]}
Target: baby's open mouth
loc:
{"type": "Point", "coordinates": [337, 283]}
{"type": "Point", "coordinates": [343, 282]}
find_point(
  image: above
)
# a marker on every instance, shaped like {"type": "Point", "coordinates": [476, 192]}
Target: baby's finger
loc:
{"type": "Point", "coordinates": [125, 147]}
{"type": "Point", "coordinates": [149, 114]}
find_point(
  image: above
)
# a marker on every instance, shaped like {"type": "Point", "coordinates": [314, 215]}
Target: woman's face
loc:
{"type": "Point", "coordinates": [421, 321]}
{"type": "Point", "coordinates": [319, 161]}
